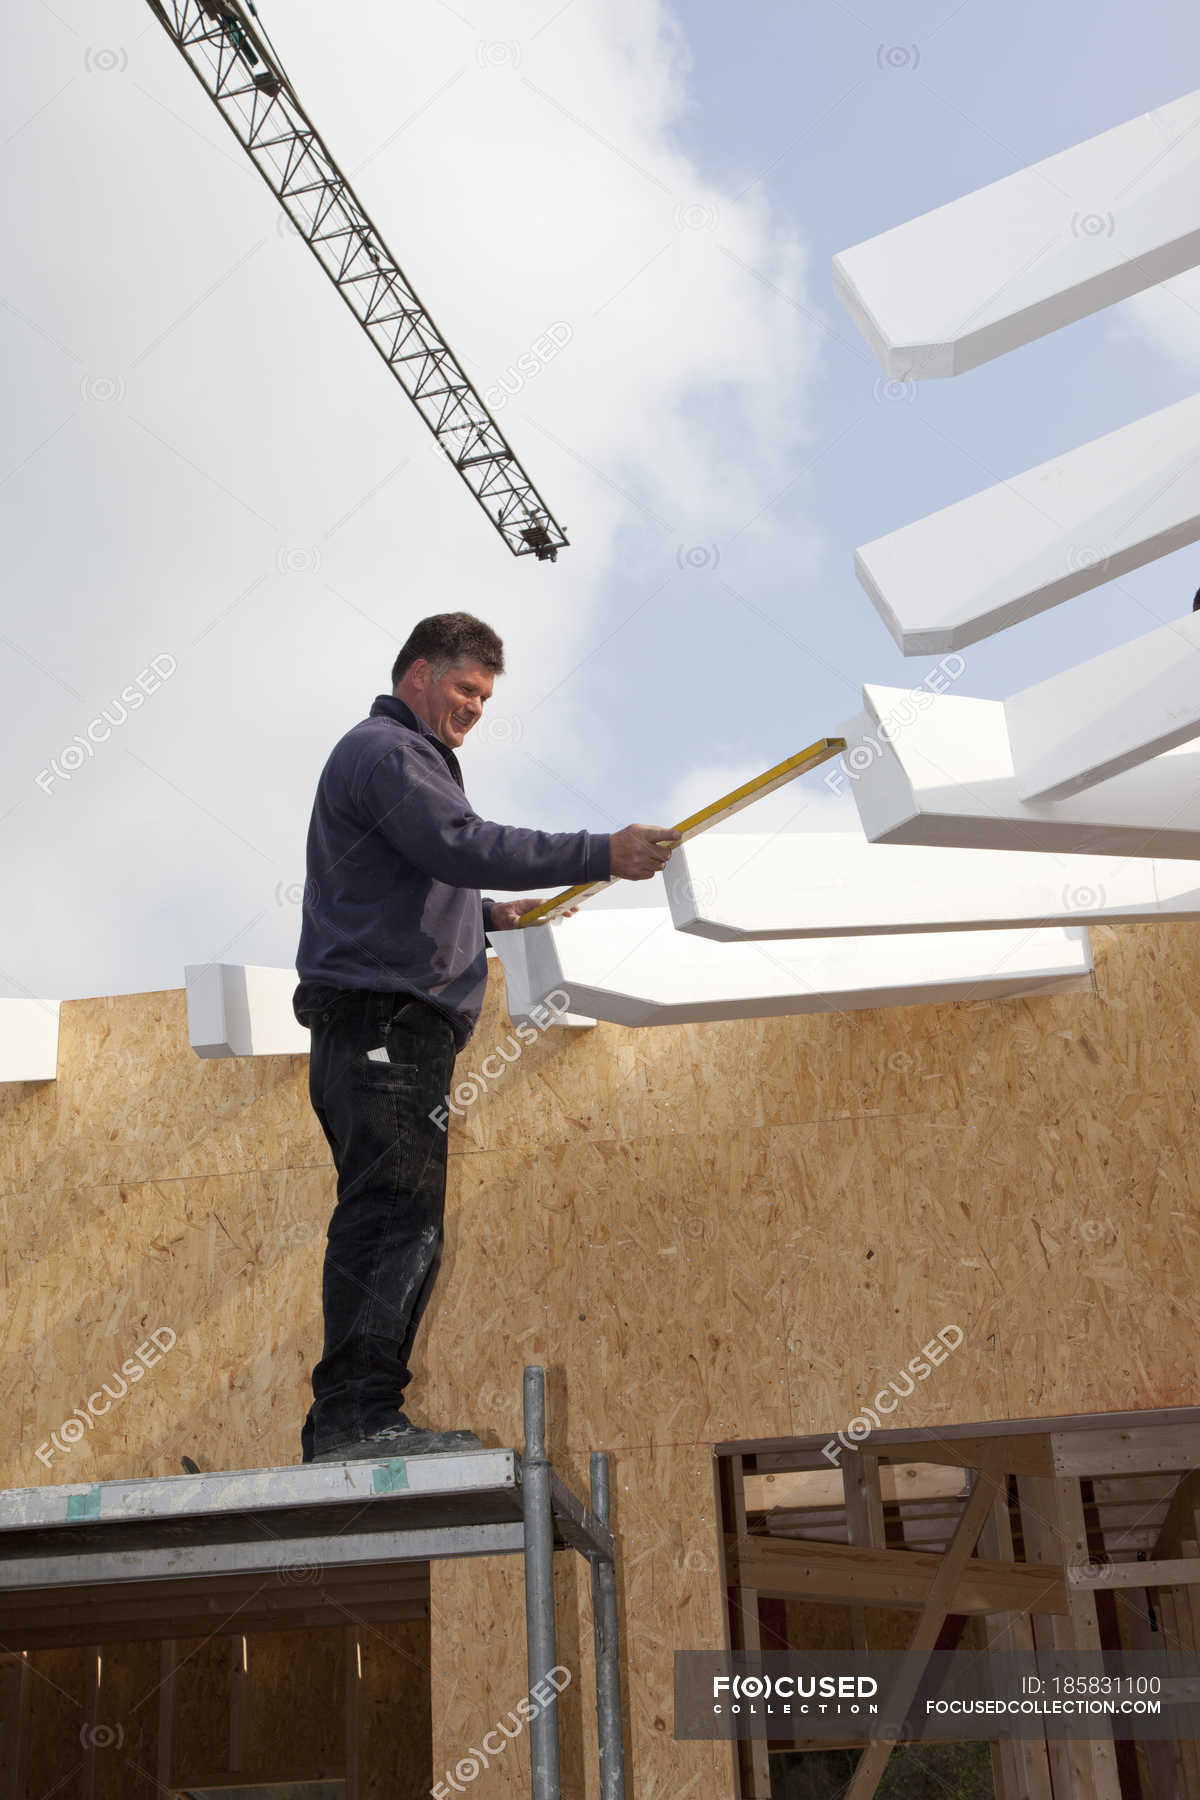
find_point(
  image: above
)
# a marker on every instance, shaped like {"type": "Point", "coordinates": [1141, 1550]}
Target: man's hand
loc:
{"type": "Point", "coordinates": [636, 852]}
{"type": "Point", "coordinates": [507, 914]}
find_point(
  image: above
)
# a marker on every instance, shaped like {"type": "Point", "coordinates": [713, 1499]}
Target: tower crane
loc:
{"type": "Point", "coordinates": [231, 55]}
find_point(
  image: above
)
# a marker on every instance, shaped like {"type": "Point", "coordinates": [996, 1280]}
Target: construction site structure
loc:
{"type": "Point", "coordinates": [167, 1558]}
{"type": "Point", "coordinates": [237, 67]}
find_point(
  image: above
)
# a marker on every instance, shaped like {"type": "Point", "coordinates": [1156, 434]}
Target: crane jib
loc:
{"type": "Point", "coordinates": [238, 67]}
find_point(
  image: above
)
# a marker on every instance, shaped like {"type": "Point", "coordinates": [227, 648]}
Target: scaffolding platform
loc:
{"type": "Point", "coordinates": [163, 1557]}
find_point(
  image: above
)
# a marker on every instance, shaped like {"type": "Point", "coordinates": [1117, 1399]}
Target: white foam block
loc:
{"type": "Point", "coordinates": [29, 1039]}
{"type": "Point", "coordinates": [1052, 532]}
{"type": "Point", "coordinates": [239, 1010]}
{"type": "Point", "coordinates": [1031, 252]}
{"type": "Point", "coordinates": [740, 887]}
{"type": "Point", "coordinates": [1108, 714]}
{"type": "Point", "coordinates": [628, 965]}
{"type": "Point", "coordinates": [946, 776]}
{"type": "Point", "coordinates": [235, 1009]}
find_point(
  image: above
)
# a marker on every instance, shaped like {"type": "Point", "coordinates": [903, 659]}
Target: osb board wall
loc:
{"type": "Point", "coordinates": [706, 1232]}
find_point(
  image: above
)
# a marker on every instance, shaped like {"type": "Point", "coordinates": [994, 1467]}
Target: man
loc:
{"type": "Point", "coordinates": [393, 968]}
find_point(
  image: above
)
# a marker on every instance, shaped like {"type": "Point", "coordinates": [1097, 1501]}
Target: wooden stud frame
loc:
{"type": "Point", "coordinates": [1104, 1511]}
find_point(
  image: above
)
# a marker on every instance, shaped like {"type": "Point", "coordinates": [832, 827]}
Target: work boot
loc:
{"type": "Point", "coordinates": [403, 1439]}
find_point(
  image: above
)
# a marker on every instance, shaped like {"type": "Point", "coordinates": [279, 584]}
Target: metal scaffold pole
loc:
{"type": "Point", "coordinates": [608, 1665]}
{"type": "Point", "coordinates": [545, 1783]}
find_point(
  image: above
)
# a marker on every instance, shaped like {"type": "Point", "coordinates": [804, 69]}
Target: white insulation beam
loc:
{"type": "Point", "coordinates": [1052, 532]}
{"type": "Point", "coordinates": [739, 887]}
{"type": "Point", "coordinates": [947, 777]}
{"type": "Point", "coordinates": [29, 1039]}
{"type": "Point", "coordinates": [236, 1010]}
{"type": "Point", "coordinates": [1031, 252]}
{"type": "Point", "coordinates": [1107, 715]}
{"type": "Point", "coordinates": [239, 1010]}
{"type": "Point", "coordinates": [629, 966]}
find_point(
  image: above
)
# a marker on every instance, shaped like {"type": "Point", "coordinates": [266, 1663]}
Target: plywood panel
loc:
{"type": "Point", "coordinates": [230, 1267]}
{"type": "Point", "coordinates": [166, 1113]}
{"type": "Point", "coordinates": [885, 1387]}
{"type": "Point", "coordinates": [28, 1121]}
{"type": "Point", "coordinates": [618, 1259]}
{"type": "Point", "coordinates": [1074, 1258]}
{"type": "Point", "coordinates": [134, 1102]}
{"type": "Point", "coordinates": [622, 1084]}
{"type": "Point", "coordinates": [760, 1224]}
{"type": "Point", "coordinates": [469, 1709]}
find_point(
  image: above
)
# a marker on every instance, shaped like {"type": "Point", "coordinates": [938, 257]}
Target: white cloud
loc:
{"type": "Point", "coordinates": [206, 459]}
{"type": "Point", "coordinates": [1166, 317]}
{"type": "Point", "coordinates": [805, 804]}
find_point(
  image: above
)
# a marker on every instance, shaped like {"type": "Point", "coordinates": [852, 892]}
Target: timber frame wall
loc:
{"type": "Point", "coordinates": [709, 1234]}
{"type": "Point", "coordinates": [1054, 1535]}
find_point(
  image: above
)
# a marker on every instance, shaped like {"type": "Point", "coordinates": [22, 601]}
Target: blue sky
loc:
{"type": "Point", "coordinates": [848, 141]}
{"type": "Point", "coordinates": [201, 459]}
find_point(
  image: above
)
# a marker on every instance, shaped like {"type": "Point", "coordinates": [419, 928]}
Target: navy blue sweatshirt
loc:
{"type": "Point", "coordinates": [396, 860]}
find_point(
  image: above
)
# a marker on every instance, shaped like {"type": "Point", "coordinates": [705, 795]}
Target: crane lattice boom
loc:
{"type": "Point", "coordinates": [233, 63]}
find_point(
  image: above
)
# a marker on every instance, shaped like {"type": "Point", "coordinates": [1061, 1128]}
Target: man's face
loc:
{"type": "Point", "coordinates": [449, 704]}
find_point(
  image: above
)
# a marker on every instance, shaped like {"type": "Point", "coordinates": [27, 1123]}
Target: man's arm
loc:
{"type": "Point", "coordinates": [413, 800]}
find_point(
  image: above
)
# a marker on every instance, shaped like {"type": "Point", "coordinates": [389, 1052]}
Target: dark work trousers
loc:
{"type": "Point", "coordinates": [384, 1242]}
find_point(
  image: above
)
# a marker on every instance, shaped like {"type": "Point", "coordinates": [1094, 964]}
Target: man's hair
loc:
{"type": "Point", "coordinates": [448, 638]}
